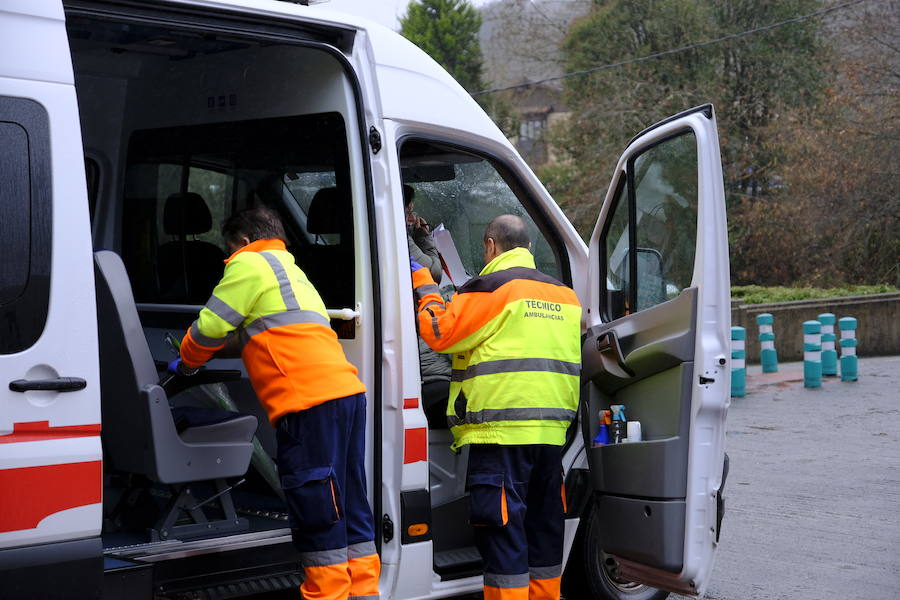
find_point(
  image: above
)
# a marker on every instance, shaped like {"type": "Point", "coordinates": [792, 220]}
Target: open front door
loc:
{"type": "Point", "coordinates": [657, 343]}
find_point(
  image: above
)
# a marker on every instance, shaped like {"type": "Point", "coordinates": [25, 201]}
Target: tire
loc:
{"type": "Point", "coordinates": [590, 573]}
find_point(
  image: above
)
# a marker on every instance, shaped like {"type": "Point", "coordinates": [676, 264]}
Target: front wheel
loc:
{"type": "Point", "coordinates": [593, 574]}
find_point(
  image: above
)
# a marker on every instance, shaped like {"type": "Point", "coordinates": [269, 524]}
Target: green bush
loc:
{"type": "Point", "coordinates": [757, 294]}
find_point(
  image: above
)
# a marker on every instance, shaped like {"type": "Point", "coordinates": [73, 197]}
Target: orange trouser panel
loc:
{"type": "Point", "coordinates": [544, 589]}
{"type": "Point", "coordinates": [327, 582]}
{"type": "Point", "coordinates": [364, 574]}
{"type": "Point", "coordinates": [497, 593]}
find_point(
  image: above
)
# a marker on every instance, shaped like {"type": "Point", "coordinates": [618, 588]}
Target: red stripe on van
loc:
{"type": "Point", "coordinates": [415, 445]}
{"type": "Point", "coordinates": [410, 403]}
{"type": "Point", "coordinates": [37, 431]}
{"type": "Point", "coordinates": [34, 493]}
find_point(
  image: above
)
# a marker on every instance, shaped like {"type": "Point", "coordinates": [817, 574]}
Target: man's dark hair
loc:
{"type": "Point", "coordinates": [508, 232]}
{"type": "Point", "coordinates": [409, 194]}
{"type": "Point", "coordinates": [257, 223]}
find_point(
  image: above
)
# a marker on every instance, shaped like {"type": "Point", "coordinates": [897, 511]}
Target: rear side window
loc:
{"type": "Point", "coordinates": [182, 184]}
{"type": "Point", "coordinates": [24, 223]}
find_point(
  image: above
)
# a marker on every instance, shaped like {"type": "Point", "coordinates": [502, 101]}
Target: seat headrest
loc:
{"type": "Point", "coordinates": [186, 213]}
{"type": "Point", "coordinates": [331, 211]}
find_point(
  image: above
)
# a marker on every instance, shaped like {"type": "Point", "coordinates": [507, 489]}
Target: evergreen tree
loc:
{"type": "Point", "coordinates": [448, 31]}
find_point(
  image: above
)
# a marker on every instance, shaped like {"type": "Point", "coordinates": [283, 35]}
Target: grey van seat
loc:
{"type": "Point", "coordinates": [188, 269]}
{"type": "Point", "coordinates": [138, 428]}
{"type": "Point", "coordinates": [139, 434]}
{"type": "Point", "coordinates": [330, 212]}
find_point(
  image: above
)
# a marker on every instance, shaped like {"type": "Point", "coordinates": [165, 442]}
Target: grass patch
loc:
{"type": "Point", "coordinates": [757, 294]}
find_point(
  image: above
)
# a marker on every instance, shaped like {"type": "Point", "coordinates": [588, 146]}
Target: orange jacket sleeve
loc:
{"type": "Point", "coordinates": [454, 326]}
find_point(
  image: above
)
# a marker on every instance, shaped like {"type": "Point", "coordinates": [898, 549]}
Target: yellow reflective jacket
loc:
{"type": "Point", "coordinates": [292, 355]}
{"type": "Point", "coordinates": [515, 336]}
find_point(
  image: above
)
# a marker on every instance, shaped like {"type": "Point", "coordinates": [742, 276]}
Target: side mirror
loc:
{"type": "Point", "coordinates": [651, 288]}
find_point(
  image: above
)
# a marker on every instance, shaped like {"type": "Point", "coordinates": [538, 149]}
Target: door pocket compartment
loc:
{"type": "Point", "coordinates": [638, 530]}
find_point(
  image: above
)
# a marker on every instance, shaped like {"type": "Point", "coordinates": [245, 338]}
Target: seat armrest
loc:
{"type": "Point", "coordinates": [175, 384]}
{"type": "Point", "coordinates": [240, 428]}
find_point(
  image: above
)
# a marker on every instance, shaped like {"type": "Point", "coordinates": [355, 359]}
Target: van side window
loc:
{"type": "Point", "coordinates": [464, 191]}
{"type": "Point", "coordinates": [617, 266]}
{"type": "Point", "coordinates": [25, 223]}
{"type": "Point", "coordinates": [182, 184]}
{"type": "Point", "coordinates": [650, 242]}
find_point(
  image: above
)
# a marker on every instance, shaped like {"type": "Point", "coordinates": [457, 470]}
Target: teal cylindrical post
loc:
{"type": "Point", "coordinates": [812, 354]}
{"type": "Point", "coordinates": [849, 360]}
{"type": "Point", "coordinates": [829, 354]}
{"type": "Point", "coordinates": [767, 354]}
{"type": "Point", "coordinates": [738, 362]}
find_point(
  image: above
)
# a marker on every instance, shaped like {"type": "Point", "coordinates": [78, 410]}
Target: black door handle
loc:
{"type": "Point", "coordinates": [57, 384]}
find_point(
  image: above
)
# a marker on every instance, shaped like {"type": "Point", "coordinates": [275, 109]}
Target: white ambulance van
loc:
{"type": "Point", "coordinates": [131, 129]}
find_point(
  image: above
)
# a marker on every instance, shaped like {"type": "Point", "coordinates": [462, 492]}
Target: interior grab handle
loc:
{"type": "Point", "coordinates": [56, 384]}
{"type": "Point", "coordinates": [345, 314]}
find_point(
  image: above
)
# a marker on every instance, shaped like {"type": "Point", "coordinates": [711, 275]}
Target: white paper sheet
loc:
{"type": "Point", "coordinates": [443, 241]}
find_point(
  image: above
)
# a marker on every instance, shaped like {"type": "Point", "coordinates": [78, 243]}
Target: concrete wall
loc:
{"type": "Point", "coordinates": [877, 315]}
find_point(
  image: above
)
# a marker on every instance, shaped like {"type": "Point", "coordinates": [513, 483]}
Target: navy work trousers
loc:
{"type": "Point", "coordinates": [321, 461]}
{"type": "Point", "coordinates": [517, 510]}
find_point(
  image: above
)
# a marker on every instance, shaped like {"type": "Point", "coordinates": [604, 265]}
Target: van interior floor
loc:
{"type": "Point", "coordinates": [131, 513]}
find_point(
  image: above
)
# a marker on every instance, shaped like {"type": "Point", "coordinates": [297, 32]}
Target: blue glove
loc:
{"type": "Point", "coordinates": [176, 367]}
{"type": "Point", "coordinates": [414, 266]}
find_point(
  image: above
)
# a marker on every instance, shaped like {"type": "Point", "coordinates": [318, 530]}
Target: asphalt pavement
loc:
{"type": "Point", "coordinates": [813, 496]}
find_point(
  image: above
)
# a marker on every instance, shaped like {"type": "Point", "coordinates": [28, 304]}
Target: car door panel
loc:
{"type": "Point", "coordinates": [656, 343]}
{"type": "Point", "coordinates": [642, 529]}
{"type": "Point", "coordinates": [651, 341]}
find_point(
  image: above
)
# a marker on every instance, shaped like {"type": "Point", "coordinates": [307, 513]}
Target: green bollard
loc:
{"type": "Point", "coordinates": [829, 354]}
{"type": "Point", "coordinates": [849, 360]}
{"type": "Point", "coordinates": [812, 354]}
{"type": "Point", "coordinates": [768, 356]}
{"type": "Point", "coordinates": [738, 362]}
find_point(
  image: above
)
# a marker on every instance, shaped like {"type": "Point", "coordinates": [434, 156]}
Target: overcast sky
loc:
{"type": "Point", "coordinates": [386, 12]}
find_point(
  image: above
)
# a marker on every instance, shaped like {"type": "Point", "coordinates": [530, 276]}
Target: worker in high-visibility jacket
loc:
{"type": "Point", "coordinates": [265, 304]}
{"type": "Point", "coordinates": [514, 334]}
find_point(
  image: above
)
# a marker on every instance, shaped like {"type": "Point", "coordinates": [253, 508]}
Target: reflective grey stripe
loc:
{"type": "Point", "coordinates": [375, 597]}
{"type": "Point", "coordinates": [323, 558]}
{"type": "Point", "coordinates": [489, 415]}
{"type": "Point", "coordinates": [292, 317]}
{"type": "Point", "coordinates": [434, 324]}
{"type": "Point", "coordinates": [545, 572]}
{"type": "Point", "coordinates": [506, 581]}
{"type": "Point", "coordinates": [284, 282]}
{"type": "Point", "coordinates": [516, 365]}
{"type": "Point", "coordinates": [221, 309]}
{"type": "Point", "coordinates": [361, 549]}
{"type": "Point", "coordinates": [424, 290]}
{"type": "Point", "coordinates": [204, 340]}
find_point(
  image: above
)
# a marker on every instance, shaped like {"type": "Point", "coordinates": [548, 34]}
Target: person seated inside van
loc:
{"type": "Point", "coordinates": [434, 367]}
